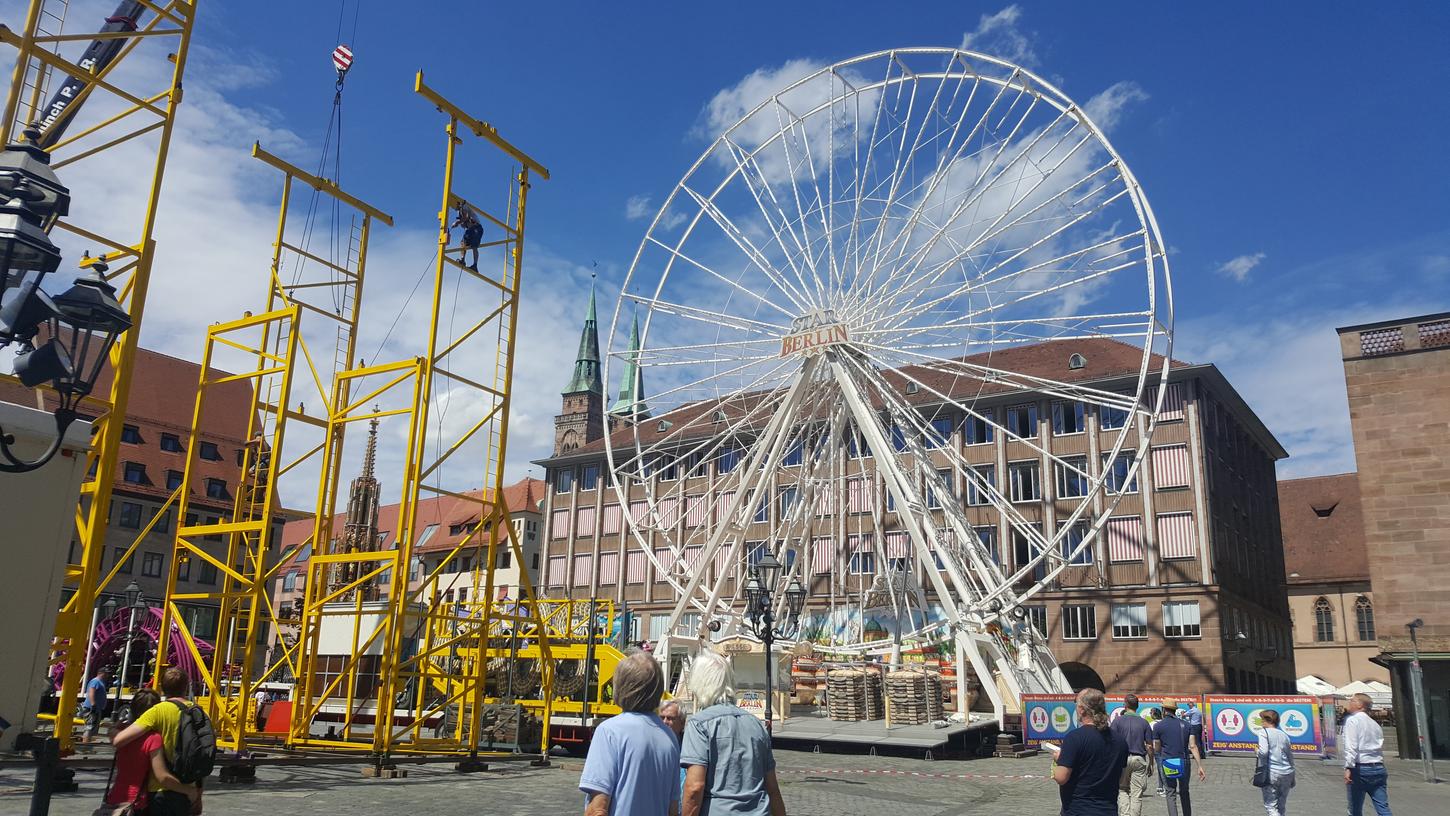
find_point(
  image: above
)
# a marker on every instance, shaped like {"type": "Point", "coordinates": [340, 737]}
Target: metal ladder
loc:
{"type": "Point", "coordinates": [35, 86]}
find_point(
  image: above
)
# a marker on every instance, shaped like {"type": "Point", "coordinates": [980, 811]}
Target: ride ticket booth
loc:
{"type": "Point", "coordinates": [748, 658]}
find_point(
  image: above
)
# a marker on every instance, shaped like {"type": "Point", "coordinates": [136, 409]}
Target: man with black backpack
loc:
{"type": "Point", "coordinates": [187, 741]}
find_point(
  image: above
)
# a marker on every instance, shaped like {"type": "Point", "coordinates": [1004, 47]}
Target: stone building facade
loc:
{"type": "Point", "coordinates": [1189, 597]}
{"type": "Point", "coordinates": [1326, 569]}
{"type": "Point", "coordinates": [1397, 375]}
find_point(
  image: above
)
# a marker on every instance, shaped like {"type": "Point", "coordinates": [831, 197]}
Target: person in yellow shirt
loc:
{"type": "Point", "coordinates": [169, 796]}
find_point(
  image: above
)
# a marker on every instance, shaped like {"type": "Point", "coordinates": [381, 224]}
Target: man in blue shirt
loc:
{"type": "Point", "coordinates": [95, 703]}
{"type": "Point", "coordinates": [1091, 761]}
{"type": "Point", "coordinates": [1174, 744]}
{"type": "Point", "coordinates": [729, 766]}
{"type": "Point", "coordinates": [1138, 734]}
{"type": "Point", "coordinates": [634, 759]}
{"type": "Point", "coordinates": [1194, 717]}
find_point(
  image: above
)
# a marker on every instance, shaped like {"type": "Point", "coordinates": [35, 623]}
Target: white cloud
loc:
{"type": "Point", "coordinates": [1239, 268]}
{"type": "Point", "coordinates": [998, 35]}
{"type": "Point", "coordinates": [1106, 108]}
{"type": "Point", "coordinates": [636, 207]}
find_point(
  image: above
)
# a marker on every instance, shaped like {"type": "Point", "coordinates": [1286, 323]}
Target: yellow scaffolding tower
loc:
{"type": "Point", "coordinates": [245, 548]}
{"type": "Point", "coordinates": [131, 110]}
{"type": "Point", "coordinates": [407, 672]}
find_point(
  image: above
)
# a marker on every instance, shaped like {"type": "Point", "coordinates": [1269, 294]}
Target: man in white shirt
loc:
{"type": "Point", "coordinates": [1364, 761]}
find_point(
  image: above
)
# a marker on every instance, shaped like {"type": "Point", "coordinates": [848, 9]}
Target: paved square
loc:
{"type": "Point", "coordinates": [814, 785]}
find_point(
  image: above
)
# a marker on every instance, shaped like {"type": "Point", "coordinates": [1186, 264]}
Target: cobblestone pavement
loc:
{"type": "Point", "coordinates": [814, 785]}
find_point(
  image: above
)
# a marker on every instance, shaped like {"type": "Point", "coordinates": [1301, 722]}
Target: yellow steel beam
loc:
{"type": "Point", "coordinates": [483, 130]}
{"type": "Point", "coordinates": [320, 184]}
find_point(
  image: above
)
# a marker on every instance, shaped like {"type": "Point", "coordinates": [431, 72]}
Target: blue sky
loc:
{"type": "Point", "coordinates": [1294, 153]}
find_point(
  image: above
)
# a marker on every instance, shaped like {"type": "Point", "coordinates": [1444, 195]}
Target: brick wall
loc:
{"type": "Point", "coordinates": [1398, 381]}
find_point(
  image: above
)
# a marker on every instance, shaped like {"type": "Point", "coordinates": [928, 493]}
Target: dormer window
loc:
{"type": "Point", "coordinates": [718, 416]}
{"type": "Point", "coordinates": [1076, 361]}
{"type": "Point", "coordinates": [912, 388]}
{"type": "Point", "coordinates": [1324, 510]}
{"type": "Point", "coordinates": [664, 425]}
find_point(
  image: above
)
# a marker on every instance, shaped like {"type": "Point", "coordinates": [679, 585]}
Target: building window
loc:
{"type": "Point", "coordinates": [1068, 418]}
{"type": "Point", "coordinates": [163, 522]}
{"type": "Point", "coordinates": [1180, 620]}
{"type": "Point", "coordinates": [131, 434]}
{"type": "Point", "coordinates": [209, 451]}
{"type": "Point", "coordinates": [794, 454]}
{"type": "Point", "coordinates": [933, 500]}
{"type": "Point", "coordinates": [1079, 622]}
{"type": "Point", "coordinates": [1364, 618]}
{"type": "Point", "coordinates": [130, 515]}
{"type": "Point", "coordinates": [1115, 474]}
{"type": "Point", "coordinates": [669, 468]}
{"type": "Point", "coordinates": [863, 562]}
{"type": "Point", "coordinates": [1037, 616]}
{"type": "Point", "coordinates": [1072, 478]}
{"type": "Point", "coordinates": [505, 559]}
{"type": "Point", "coordinates": [171, 443]}
{"type": "Point", "coordinates": [126, 566]}
{"type": "Point", "coordinates": [152, 564]}
{"type": "Point", "coordinates": [1071, 538]}
{"type": "Point", "coordinates": [1110, 419]}
{"type": "Point", "coordinates": [727, 460]}
{"type": "Point", "coordinates": [289, 582]}
{"type": "Point", "coordinates": [939, 432]}
{"type": "Point", "coordinates": [216, 488]}
{"type": "Point", "coordinates": [1130, 621]}
{"type": "Point", "coordinates": [564, 480]}
{"type": "Point", "coordinates": [988, 536]}
{"type": "Point", "coordinates": [173, 479]}
{"type": "Point", "coordinates": [588, 477]}
{"type": "Point", "coordinates": [183, 569]}
{"type": "Point", "coordinates": [977, 430]}
{"type": "Point", "coordinates": [788, 496]}
{"type": "Point", "coordinates": [1022, 420]}
{"type": "Point", "coordinates": [1323, 621]}
{"type": "Point", "coordinates": [981, 480]}
{"type": "Point", "coordinates": [1024, 481]}
{"type": "Point", "coordinates": [134, 472]}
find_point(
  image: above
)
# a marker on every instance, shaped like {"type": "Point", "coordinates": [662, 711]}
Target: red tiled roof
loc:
{"type": "Point", "coordinates": [163, 399]}
{"type": "Point", "coordinates": [1105, 358]}
{"type": "Point", "coordinates": [443, 511]}
{"type": "Point", "coordinates": [1323, 529]}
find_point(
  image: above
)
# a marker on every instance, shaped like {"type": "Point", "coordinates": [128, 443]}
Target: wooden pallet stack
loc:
{"type": "Point", "coordinates": [854, 694]}
{"type": "Point", "coordinates": [915, 696]}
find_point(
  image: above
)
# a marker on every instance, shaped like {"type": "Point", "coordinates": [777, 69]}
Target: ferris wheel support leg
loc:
{"type": "Point", "coordinates": [968, 650]}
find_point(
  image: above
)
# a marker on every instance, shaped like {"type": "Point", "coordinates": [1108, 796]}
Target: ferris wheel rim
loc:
{"type": "Point", "coordinates": [1155, 262]}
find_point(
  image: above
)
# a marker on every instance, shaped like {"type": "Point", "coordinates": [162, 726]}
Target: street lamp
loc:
{"type": "Point", "coordinates": [136, 602]}
{"type": "Point", "coordinates": [760, 599]}
{"type": "Point", "coordinates": [78, 326]}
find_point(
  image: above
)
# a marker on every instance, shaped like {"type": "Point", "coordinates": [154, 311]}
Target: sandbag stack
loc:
{"type": "Point", "coordinates": [854, 694]}
{"type": "Point", "coordinates": [915, 696]}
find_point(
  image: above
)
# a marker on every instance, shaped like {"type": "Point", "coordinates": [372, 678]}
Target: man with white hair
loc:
{"type": "Point", "coordinates": [633, 762]}
{"type": "Point", "coordinates": [1362, 746]}
{"type": "Point", "coordinates": [729, 767]}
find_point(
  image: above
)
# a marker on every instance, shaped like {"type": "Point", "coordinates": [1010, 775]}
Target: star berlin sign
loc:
{"type": "Point", "coordinates": [813, 333]}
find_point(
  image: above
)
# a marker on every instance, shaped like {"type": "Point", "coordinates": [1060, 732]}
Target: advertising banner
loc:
{"type": "Point", "coordinates": [1232, 724]}
{"type": "Point", "coordinates": [1147, 701]}
{"type": "Point", "coordinates": [1047, 717]}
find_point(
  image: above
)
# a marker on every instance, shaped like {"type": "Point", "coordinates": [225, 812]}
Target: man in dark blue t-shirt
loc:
{"type": "Point", "coordinates": [1175, 744]}
{"type": "Point", "coordinates": [1091, 761]}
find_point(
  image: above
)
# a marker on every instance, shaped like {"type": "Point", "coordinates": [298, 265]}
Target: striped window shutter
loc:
{"type": "Point", "coordinates": [692, 558]}
{"type": "Point", "coordinates": [697, 511]}
{"type": "Point", "coordinates": [1170, 466]}
{"type": "Point", "coordinates": [722, 506]}
{"type": "Point", "coordinates": [1176, 537]}
{"type": "Point", "coordinates": [722, 561]}
{"type": "Point", "coordinates": [1125, 538]}
{"type": "Point", "coordinates": [558, 565]}
{"type": "Point", "coordinates": [898, 544]}
{"type": "Point", "coordinates": [1172, 402]}
{"type": "Point", "coordinates": [858, 496]}
{"type": "Point", "coordinates": [584, 522]}
{"type": "Point", "coordinates": [634, 562]}
{"type": "Point", "coordinates": [583, 569]}
{"type": "Point", "coordinates": [608, 567]}
{"type": "Point", "coordinates": [559, 524]}
{"type": "Point", "coordinates": [637, 512]}
{"type": "Point", "coordinates": [669, 511]}
{"type": "Point", "coordinates": [667, 561]}
{"type": "Point", "coordinates": [612, 516]}
{"type": "Point", "coordinates": [821, 556]}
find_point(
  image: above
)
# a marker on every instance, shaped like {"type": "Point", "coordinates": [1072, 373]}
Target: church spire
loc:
{"type": "Point", "coordinates": [586, 363]}
{"type": "Point", "coordinates": [630, 404]}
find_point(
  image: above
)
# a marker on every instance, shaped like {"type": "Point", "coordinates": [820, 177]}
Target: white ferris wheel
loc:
{"type": "Point", "coordinates": [864, 255]}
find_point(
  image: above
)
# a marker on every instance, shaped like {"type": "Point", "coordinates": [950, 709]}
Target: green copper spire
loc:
{"type": "Point", "coordinates": [631, 386]}
{"type": "Point", "coordinates": [586, 365]}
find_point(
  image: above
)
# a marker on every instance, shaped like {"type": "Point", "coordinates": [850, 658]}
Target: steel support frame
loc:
{"type": "Point", "coordinates": [150, 110]}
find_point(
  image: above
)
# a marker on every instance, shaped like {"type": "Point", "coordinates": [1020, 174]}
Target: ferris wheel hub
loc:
{"type": "Point", "coordinates": [814, 332]}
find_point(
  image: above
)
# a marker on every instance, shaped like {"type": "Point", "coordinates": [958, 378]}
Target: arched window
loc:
{"type": "Point", "coordinates": [1364, 618]}
{"type": "Point", "coordinates": [1323, 621]}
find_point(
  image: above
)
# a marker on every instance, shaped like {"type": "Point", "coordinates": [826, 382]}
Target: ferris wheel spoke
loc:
{"type": "Point", "coordinates": [708, 317]}
{"type": "Point", "coordinates": [1117, 325]}
{"type": "Point", "coordinates": [749, 167]}
{"type": "Point", "coordinates": [798, 165]}
{"type": "Point", "coordinates": [742, 242]}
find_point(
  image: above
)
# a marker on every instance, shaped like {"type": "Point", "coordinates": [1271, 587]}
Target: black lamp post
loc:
{"type": "Point", "coordinates": [78, 327]}
{"type": "Point", "coordinates": [136, 602]}
{"type": "Point", "coordinates": [760, 614]}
